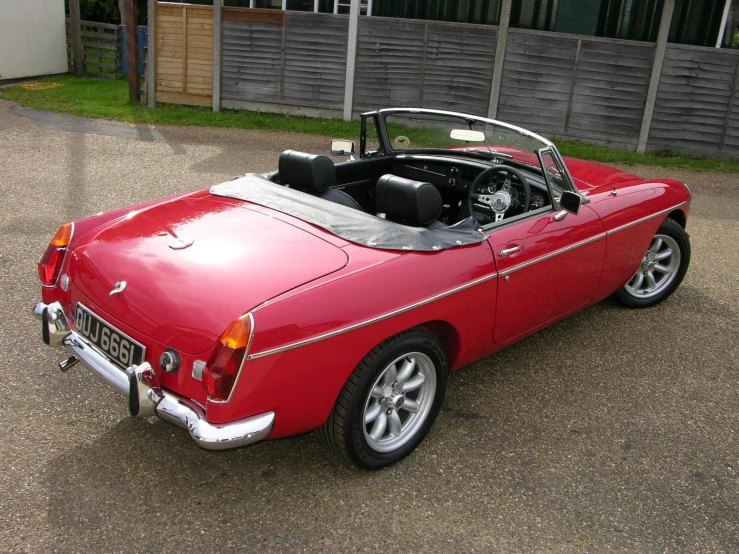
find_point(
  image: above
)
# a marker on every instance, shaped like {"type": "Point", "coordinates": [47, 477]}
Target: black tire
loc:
{"type": "Point", "coordinates": [345, 431]}
{"type": "Point", "coordinates": [633, 297]}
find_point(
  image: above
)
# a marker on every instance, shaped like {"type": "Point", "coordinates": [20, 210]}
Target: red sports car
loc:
{"type": "Point", "coordinates": [338, 297]}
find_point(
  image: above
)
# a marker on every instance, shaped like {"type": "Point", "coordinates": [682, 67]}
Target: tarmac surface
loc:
{"type": "Point", "coordinates": [613, 431]}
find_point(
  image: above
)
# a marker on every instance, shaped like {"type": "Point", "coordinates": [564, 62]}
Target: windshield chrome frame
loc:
{"type": "Point", "coordinates": [547, 144]}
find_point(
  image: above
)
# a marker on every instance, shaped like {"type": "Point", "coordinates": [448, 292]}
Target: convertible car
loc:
{"type": "Point", "coordinates": [338, 296]}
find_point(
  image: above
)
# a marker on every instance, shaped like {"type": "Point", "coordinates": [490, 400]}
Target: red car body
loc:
{"type": "Point", "coordinates": [319, 303]}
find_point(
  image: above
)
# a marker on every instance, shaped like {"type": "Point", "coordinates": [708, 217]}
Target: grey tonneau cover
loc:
{"type": "Point", "coordinates": [348, 223]}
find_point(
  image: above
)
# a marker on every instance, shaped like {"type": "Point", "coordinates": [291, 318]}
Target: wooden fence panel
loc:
{"type": "Point", "coordinates": [252, 55]}
{"type": "Point", "coordinates": [458, 69]}
{"type": "Point", "coordinates": [730, 143]}
{"type": "Point", "coordinates": [610, 86]}
{"type": "Point", "coordinates": [101, 49]}
{"type": "Point", "coordinates": [693, 99]}
{"type": "Point", "coordinates": [390, 56]}
{"type": "Point", "coordinates": [315, 59]}
{"type": "Point", "coordinates": [537, 80]}
{"type": "Point", "coordinates": [184, 54]}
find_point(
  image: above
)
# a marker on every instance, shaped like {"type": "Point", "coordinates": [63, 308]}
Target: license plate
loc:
{"type": "Point", "coordinates": [121, 349]}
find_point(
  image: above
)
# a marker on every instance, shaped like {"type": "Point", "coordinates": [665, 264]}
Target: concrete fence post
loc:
{"type": "Point", "coordinates": [500, 48]}
{"type": "Point", "coordinates": [217, 5]}
{"type": "Point", "coordinates": [351, 59]}
{"type": "Point", "coordinates": [659, 60]}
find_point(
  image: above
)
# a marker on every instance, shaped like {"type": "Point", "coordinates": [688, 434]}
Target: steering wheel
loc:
{"type": "Point", "coordinates": [501, 200]}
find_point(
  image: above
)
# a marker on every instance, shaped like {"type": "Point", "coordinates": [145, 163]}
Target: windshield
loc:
{"type": "Point", "coordinates": [410, 131]}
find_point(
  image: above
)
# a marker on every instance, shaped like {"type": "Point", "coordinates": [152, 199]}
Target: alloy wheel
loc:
{"type": "Point", "coordinates": [658, 268]}
{"type": "Point", "coordinates": [399, 402]}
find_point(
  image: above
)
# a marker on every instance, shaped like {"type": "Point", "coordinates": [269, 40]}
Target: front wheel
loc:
{"type": "Point", "coordinates": [389, 402]}
{"type": "Point", "coordinates": [662, 269]}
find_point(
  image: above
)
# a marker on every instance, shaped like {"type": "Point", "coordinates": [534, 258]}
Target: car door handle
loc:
{"type": "Point", "coordinates": [511, 250]}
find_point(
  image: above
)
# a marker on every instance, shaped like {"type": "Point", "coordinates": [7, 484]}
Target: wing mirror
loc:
{"type": "Point", "coordinates": [570, 201]}
{"type": "Point", "coordinates": [341, 147]}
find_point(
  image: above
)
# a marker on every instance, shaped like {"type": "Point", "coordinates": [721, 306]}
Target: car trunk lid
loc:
{"type": "Point", "coordinates": [192, 266]}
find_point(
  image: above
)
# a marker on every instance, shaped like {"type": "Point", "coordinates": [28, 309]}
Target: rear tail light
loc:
{"type": "Point", "coordinates": [51, 264]}
{"type": "Point", "coordinates": [222, 370]}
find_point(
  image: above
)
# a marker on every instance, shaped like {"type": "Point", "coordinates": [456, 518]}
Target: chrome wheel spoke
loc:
{"type": "Point", "coordinates": [661, 268]}
{"type": "Point", "coordinates": [391, 375]}
{"type": "Point", "coordinates": [666, 253]}
{"type": "Point", "coordinates": [372, 413]}
{"type": "Point", "coordinates": [656, 245]}
{"type": "Point", "coordinates": [637, 281]}
{"type": "Point", "coordinates": [377, 392]}
{"type": "Point", "coordinates": [650, 280]}
{"type": "Point", "coordinates": [378, 429]}
{"type": "Point", "coordinates": [394, 423]}
{"type": "Point", "coordinates": [413, 383]}
{"type": "Point", "coordinates": [411, 406]}
{"type": "Point", "coordinates": [406, 370]}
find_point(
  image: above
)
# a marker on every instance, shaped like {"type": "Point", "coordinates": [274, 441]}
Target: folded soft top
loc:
{"type": "Point", "coordinates": [348, 223]}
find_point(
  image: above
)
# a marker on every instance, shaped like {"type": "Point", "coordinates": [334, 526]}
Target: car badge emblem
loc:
{"type": "Point", "coordinates": [180, 243]}
{"type": "Point", "coordinates": [119, 287]}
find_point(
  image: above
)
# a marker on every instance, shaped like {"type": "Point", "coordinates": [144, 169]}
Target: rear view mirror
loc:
{"type": "Point", "coordinates": [341, 147]}
{"type": "Point", "coordinates": [467, 135]}
{"type": "Point", "coordinates": [570, 201]}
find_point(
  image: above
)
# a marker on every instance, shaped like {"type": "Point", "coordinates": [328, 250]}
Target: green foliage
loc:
{"type": "Point", "coordinates": [108, 99]}
{"type": "Point", "coordinates": [735, 40]}
{"type": "Point", "coordinates": [106, 11]}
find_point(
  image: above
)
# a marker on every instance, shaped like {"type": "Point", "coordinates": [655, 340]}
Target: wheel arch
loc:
{"type": "Point", "coordinates": [449, 337]}
{"type": "Point", "coordinates": [679, 217]}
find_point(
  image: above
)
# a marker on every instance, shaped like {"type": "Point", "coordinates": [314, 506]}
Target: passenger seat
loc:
{"type": "Point", "coordinates": [313, 174]}
{"type": "Point", "coordinates": [409, 202]}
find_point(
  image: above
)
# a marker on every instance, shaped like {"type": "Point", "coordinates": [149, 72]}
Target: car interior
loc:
{"type": "Point", "coordinates": [417, 190]}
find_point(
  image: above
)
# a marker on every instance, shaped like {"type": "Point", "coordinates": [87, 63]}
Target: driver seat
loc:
{"type": "Point", "coordinates": [312, 174]}
{"type": "Point", "coordinates": [408, 202]}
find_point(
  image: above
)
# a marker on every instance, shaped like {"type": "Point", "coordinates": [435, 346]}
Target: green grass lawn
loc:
{"type": "Point", "coordinates": [108, 99]}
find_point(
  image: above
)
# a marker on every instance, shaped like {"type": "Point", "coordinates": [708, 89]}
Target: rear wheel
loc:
{"type": "Point", "coordinates": [661, 270]}
{"type": "Point", "coordinates": [389, 402]}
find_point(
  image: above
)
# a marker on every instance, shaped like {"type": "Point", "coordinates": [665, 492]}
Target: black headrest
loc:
{"type": "Point", "coordinates": [406, 201]}
{"type": "Point", "coordinates": [306, 172]}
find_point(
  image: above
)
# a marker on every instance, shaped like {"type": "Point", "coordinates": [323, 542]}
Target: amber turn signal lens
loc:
{"type": "Point", "coordinates": [237, 334]}
{"type": "Point", "coordinates": [219, 375]}
{"type": "Point", "coordinates": [51, 264]}
{"type": "Point", "coordinates": [63, 235]}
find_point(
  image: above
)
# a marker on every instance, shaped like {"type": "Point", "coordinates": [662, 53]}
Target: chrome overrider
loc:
{"type": "Point", "coordinates": [145, 395]}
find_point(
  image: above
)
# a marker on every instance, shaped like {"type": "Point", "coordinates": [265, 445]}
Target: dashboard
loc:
{"type": "Point", "coordinates": [454, 177]}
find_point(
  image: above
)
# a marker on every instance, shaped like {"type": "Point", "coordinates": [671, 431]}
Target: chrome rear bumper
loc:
{"type": "Point", "coordinates": [145, 395]}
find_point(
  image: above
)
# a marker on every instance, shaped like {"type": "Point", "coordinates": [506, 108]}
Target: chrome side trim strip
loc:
{"type": "Point", "coordinates": [647, 218]}
{"type": "Point", "coordinates": [552, 254]}
{"type": "Point", "coordinates": [371, 321]}
{"type": "Point", "coordinates": [587, 241]}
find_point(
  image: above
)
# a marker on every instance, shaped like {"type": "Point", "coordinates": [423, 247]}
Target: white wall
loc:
{"type": "Point", "coordinates": [32, 38]}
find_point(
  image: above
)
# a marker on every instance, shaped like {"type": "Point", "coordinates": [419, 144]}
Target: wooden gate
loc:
{"type": "Point", "coordinates": [184, 54]}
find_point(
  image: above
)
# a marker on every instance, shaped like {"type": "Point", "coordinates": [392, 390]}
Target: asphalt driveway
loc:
{"type": "Point", "coordinates": [615, 430]}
